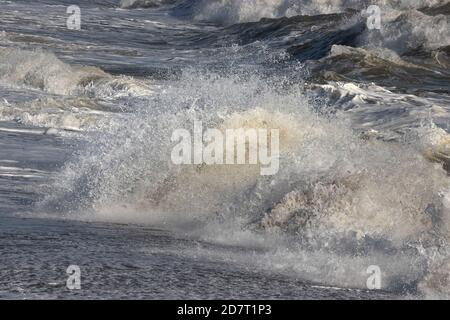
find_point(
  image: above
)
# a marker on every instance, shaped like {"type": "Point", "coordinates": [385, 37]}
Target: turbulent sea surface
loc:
{"type": "Point", "coordinates": [86, 178]}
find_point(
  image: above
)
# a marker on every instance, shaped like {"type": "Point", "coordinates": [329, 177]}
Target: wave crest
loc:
{"type": "Point", "coordinates": [335, 191]}
{"type": "Point", "coordinates": [237, 11]}
{"type": "Point", "coordinates": [131, 4]}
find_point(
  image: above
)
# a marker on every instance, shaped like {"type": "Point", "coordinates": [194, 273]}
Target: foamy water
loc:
{"type": "Point", "coordinates": [87, 119]}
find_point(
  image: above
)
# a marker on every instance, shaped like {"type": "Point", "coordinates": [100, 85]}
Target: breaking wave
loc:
{"type": "Point", "coordinates": [307, 29]}
{"type": "Point", "coordinates": [237, 11]}
{"type": "Point", "coordinates": [130, 4]}
{"type": "Point", "coordinates": [363, 119]}
{"type": "Point", "coordinates": [44, 71]}
{"type": "Point", "coordinates": [66, 96]}
{"type": "Point", "coordinates": [339, 193]}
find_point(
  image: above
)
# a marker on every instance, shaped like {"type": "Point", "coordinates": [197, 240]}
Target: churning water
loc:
{"type": "Point", "coordinates": [86, 177]}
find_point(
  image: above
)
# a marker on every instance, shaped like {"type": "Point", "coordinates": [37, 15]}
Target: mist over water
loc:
{"type": "Point", "coordinates": [364, 153]}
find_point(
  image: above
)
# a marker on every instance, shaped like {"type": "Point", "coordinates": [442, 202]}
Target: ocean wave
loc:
{"type": "Point", "coordinates": [131, 4]}
{"type": "Point", "coordinates": [401, 32]}
{"type": "Point", "coordinates": [404, 32]}
{"type": "Point", "coordinates": [362, 117]}
{"type": "Point", "coordinates": [237, 11]}
{"type": "Point", "coordinates": [67, 96]}
{"type": "Point", "coordinates": [410, 30]}
{"type": "Point", "coordinates": [42, 70]}
{"type": "Point", "coordinates": [68, 114]}
{"type": "Point", "coordinates": [375, 108]}
{"type": "Point", "coordinates": [335, 191]}
{"type": "Point", "coordinates": [308, 29]}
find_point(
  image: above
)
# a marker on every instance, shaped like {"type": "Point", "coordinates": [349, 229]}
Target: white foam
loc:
{"type": "Point", "coordinates": [69, 97]}
{"type": "Point", "coordinates": [356, 188]}
{"type": "Point", "coordinates": [234, 11]}
{"type": "Point", "coordinates": [403, 27]}
{"type": "Point", "coordinates": [19, 172]}
{"type": "Point", "coordinates": [42, 70]}
{"type": "Point", "coordinates": [126, 4]}
{"type": "Point", "coordinates": [373, 107]}
{"type": "Point", "coordinates": [17, 130]}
